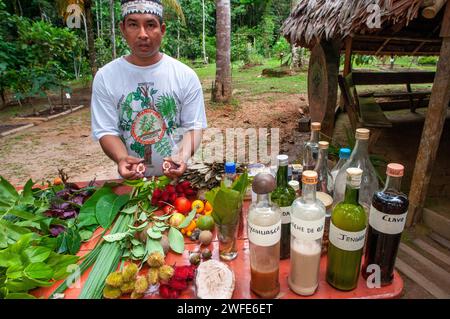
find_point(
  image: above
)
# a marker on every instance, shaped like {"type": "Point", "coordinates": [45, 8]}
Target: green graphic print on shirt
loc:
{"type": "Point", "coordinates": [143, 120]}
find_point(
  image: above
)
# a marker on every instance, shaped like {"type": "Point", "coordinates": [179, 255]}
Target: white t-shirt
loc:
{"type": "Point", "coordinates": [150, 107]}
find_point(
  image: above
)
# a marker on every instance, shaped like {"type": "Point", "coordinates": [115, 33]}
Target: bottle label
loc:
{"type": "Point", "coordinates": [286, 214]}
{"type": "Point", "coordinates": [345, 240]}
{"type": "Point", "coordinates": [264, 235]}
{"type": "Point", "coordinates": [385, 223]}
{"type": "Point", "coordinates": [307, 229]}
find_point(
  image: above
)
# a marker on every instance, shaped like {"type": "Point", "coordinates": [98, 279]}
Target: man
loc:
{"type": "Point", "coordinates": [147, 107]}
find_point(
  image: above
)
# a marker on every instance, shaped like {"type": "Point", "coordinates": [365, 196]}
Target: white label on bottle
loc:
{"type": "Point", "coordinates": [306, 229]}
{"type": "Point", "coordinates": [264, 235]}
{"type": "Point", "coordinates": [345, 240]}
{"type": "Point", "coordinates": [286, 214]}
{"type": "Point", "coordinates": [385, 223]}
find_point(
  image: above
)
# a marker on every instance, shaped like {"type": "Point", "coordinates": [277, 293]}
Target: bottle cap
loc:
{"type": "Point", "coordinates": [326, 199]}
{"type": "Point", "coordinates": [297, 167]}
{"type": "Point", "coordinates": [309, 177]}
{"type": "Point", "coordinates": [295, 185]}
{"type": "Point", "coordinates": [345, 153]}
{"type": "Point", "coordinates": [264, 183]}
{"type": "Point", "coordinates": [230, 168]}
{"type": "Point", "coordinates": [283, 160]}
{"type": "Point", "coordinates": [362, 134]}
{"type": "Point", "coordinates": [323, 145]}
{"type": "Point", "coordinates": [395, 170]}
{"type": "Point", "coordinates": [354, 176]}
{"type": "Point", "coordinates": [316, 126]}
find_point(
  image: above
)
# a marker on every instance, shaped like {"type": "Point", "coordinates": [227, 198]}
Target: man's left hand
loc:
{"type": "Point", "coordinates": [177, 172]}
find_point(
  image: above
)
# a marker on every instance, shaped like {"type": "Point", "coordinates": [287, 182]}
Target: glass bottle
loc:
{"type": "Point", "coordinates": [283, 196]}
{"type": "Point", "coordinates": [230, 174]}
{"type": "Point", "coordinates": [307, 227]}
{"type": "Point", "coordinates": [347, 235]}
{"type": "Point", "coordinates": [386, 223]}
{"type": "Point", "coordinates": [296, 186]}
{"type": "Point", "coordinates": [325, 181]}
{"type": "Point", "coordinates": [264, 234]}
{"type": "Point", "coordinates": [344, 155]}
{"type": "Point", "coordinates": [311, 148]}
{"type": "Point", "coordinates": [360, 159]}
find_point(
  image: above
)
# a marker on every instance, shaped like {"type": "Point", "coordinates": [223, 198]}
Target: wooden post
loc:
{"type": "Point", "coordinates": [323, 84]}
{"type": "Point", "coordinates": [347, 66]}
{"type": "Point", "coordinates": [432, 131]}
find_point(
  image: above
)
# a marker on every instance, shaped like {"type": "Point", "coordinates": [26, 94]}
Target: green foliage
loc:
{"type": "Point", "coordinates": [428, 60]}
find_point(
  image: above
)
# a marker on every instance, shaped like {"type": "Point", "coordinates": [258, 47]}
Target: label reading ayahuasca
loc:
{"type": "Point", "coordinates": [385, 223]}
{"type": "Point", "coordinates": [286, 214]}
{"type": "Point", "coordinates": [345, 240]}
{"type": "Point", "coordinates": [307, 230]}
{"type": "Point", "coordinates": [264, 235]}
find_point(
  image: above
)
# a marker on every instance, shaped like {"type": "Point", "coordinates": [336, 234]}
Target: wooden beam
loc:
{"type": "Point", "coordinates": [410, 39]}
{"type": "Point", "coordinates": [382, 46]}
{"type": "Point", "coordinates": [348, 56]}
{"type": "Point", "coordinates": [374, 78]}
{"type": "Point", "coordinates": [432, 132]}
{"type": "Point", "coordinates": [445, 31]}
{"type": "Point", "coordinates": [432, 11]}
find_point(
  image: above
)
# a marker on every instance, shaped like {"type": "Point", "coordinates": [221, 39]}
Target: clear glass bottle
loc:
{"type": "Point", "coordinates": [311, 148]}
{"type": "Point", "coordinates": [360, 159]}
{"type": "Point", "coordinates": [307, 227]}
{"type": "Point", "coordinates": [283, 196]}
{"type": "Point", "coordinates": [386, 223]}
{"type": "Point", "coordinates": [264, 234]}
{"type": "Point", "coordinates": [344, 155]}
{"type": "Point", "coordinates": [230, 174]}
{"type": "Point", "coordinates": [325, 181]}
{"type": "Point", "coordinates": [347, 236]}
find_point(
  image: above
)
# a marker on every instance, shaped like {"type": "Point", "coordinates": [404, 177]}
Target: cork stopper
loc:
{"type": "Point", "coordinates": [283, 160]}
{"type": "Point", "coordinates": [309, 177]}
{"type": "Point", "coordinates": [395, 170]}
{"type": "Point", "coordinates": [323, 145]}
{"type": "Point", "coordinates": [264, 183]}
{"type": "Point", "coordinates": [316, 126]}
{"type": "Point", "coordinates": [326, 199]}
{"type": "Point", "coordinates": [354, 176]}
{"type": "Point", "coordinates": [362, 134]}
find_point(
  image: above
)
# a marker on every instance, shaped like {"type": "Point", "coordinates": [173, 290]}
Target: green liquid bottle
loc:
{"type": "Point", "coordinates": [347, 236]}
{"type": "Point", "coordinates": [284, 195]}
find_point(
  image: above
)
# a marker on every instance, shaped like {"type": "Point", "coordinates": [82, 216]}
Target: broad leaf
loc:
{"type": "Point", "coordinates": [8, 194]}
{"type": "Point", "coordinates": [153, 245]}
{"type": "Point", "coordinates": [27, 194]}
{"type": "Point", "coordinates": [19, 296]}
{"type": "Point", "coordinates": [130, 210]}
{"type": "Point", "coordinates": [87, 215]}
{"type": "Point", "coordinates": [37, 254]}
{"type": "Point", "coordinates": [154, 233]}
{"type": "Point", "coordinates": [104, 208]}
{"type": "Point", "coordinates": [14, 272]}
{"type": "Point", "coordinates": [9, 259]}
{"type": "Point", "coordinates": [138, 251]}
{"type": "Point", "coordinates": [39, 271]}
{"type": "Point", "coordinates": [188, 219]}
{"type": "Point", "coordinates": [176, 240]}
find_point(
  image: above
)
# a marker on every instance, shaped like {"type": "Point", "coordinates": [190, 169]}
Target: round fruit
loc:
{"type": "Point", "coordinates": [206, 254]}
{"type": "Point", "coordinates": [165, 244]}
{"type": "Point", "coordinates": [176, 219]}
{"type": "Point", "coordinates": [168, 209]}
{"type": "Point", "coordinates": [195, 259]}
{"type": "Point", "coordinates": [205, 223]}
{"type": "Point", "coordinates": [205, 237]}
{"type": "Point", "coordinates": [182, 205]}
{"type": "Point", "coordinates": [208, 209]}
{"type": "Point", "coordinates": [198, 204]}
{"type": "Point", "coordinates": [57, 181]}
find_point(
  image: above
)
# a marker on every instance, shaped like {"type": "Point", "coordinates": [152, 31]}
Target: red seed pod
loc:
{"type": "Point", "coordinates": [170, 189]}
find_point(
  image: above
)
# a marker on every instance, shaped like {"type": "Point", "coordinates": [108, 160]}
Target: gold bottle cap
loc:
{"type": "Point", "coordinates": [354, 176]}
{"type": "Point", "coordinates": [362, 134]}
{"type": "Point", "coordinates": [395, 170]}
{"type": "Point", "coordinates": [309, 177]}
{"type": "Point", "coordinates": [323, 145]}
{"type": "Point", "coordinates": [316, 126]}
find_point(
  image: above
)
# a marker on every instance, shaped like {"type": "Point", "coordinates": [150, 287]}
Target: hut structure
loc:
{"type": "Point", "coordinates": [330, 28]}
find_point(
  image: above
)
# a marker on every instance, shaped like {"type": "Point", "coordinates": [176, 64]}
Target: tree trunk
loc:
{"type": "Point", "coordinates": [97, 7]}
{"type": "Point", "coordinates": [222, 91]}
{"type": "Point", "coordinates": [178, 39]}
{"type": "Point", "coordinates": [90, 32]}
{"type": "Point", "coordinates": [297, 52]}
{"type": "Point", "coordinates": [101, 18]}
{"type": "Point", "coordinates": [113, 30]}
{"type": "Point", "coordinates": [205, 60]}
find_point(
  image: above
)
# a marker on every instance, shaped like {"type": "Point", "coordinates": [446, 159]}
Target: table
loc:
{"type": "Point", "coordinates": [242, 264]}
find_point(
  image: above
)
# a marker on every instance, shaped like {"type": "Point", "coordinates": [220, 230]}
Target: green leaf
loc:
{"type": "Point", "coordinates": [70, 241]}
{"type": "Point", "coordinates": [39, 271]}
{"type": "Point", "coordinates": [85, 235]}
{"type": "Point", "coordinates": [176, 240]}
{"type": "Point", "coordinates": [20, 285]}
{"type": "Point", "coordinates": [166, 217]}
{"type": "Point", "coordinates": [87, 216]}
{"type": "Point", "coordinates": [59, 263]}
{"type": "Point", "coordinates": [188, 219]}
{"type": "Point", "coordinates": [130, 210]}
{"type": "Point", "coordinates": [8, 193]}
{"type": "Point", "coordinates": [115, 237]}
{"type": "Point", "coordinates": [143, 217]}
{"type": "Point", "coordinates": [153, 245]}
{"type": "Point", "coordinates": [153, 233]}
{"type": "Point", "coordinates": [8, 259]}
{"type": "Point", "coordinates": [37, 254]}
{"type": "Point", "coordinates": [22, 213]}
{"type": "Point", "coordinates": [135, 242]}
{"type": "Point", "coordinates": [103, 209]}
{"type": "Point", "coordinates": [227, 205]}
{"type": "Point", "coordinates": [23, 243]}
{"type": "Point", "coordinates": [241, 184]}
{"type": "Point", "coordinates": [12, 231]}
{"type": "Point", "coordinates": [27, 194]}
{"type": "Point", "coordinates": [138, 228]}
{"type": "Point", "coordinates": [138, 251]}
{"type": "Point", "coordinates": [14, 272]}
{"type": "Point", "coordinates": [19, 296]}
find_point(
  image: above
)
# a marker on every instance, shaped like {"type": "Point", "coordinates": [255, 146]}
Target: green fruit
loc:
{"type": "Point", "coordinates": [111, 292]}
{"type": "Point", "coordinates": [114, 279]}
{"type": "Point", "coordinates": [166, 272]}
{"type": "Point", "coordinates": [128, 287]}
{"type": "Point", "coordinates": [205, 223]}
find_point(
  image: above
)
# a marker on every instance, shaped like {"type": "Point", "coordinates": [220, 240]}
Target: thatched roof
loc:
{"type": "Point", "coordinates": [315, 20]}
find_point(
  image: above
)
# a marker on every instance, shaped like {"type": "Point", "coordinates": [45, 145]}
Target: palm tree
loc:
{"type": "Point", "coordinates": [222, 91]}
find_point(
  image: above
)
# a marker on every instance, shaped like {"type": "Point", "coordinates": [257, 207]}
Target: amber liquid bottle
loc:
{"type": "Point", "coordinates": [386, 223]}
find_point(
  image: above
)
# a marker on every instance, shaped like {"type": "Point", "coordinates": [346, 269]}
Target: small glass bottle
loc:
{"type": "Point", "coordinates": [264, 234]}
{"type": "Point", "coordinates": [296, 186]}
{"type": "Point", "coordinates": [283, 196]}
{"type": "Point", "coordinates": [230, 174]}
{"type": "Point", "coordinates": [344, 155]}
{"type": "Point", "coordinates": [325, 181]}
{"type": "Point", "coordinates": [311, 148]}
{"type": "Point", "coordinates": [307, 227]}
{"type": "Point", "coordinates": [386, 223]}
{"type": "Point", "coordinates": [347, 236]}
{"type": "Point", "coordinates": [360, 159]}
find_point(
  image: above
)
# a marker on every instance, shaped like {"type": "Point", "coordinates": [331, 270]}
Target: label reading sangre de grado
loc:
{"type": "Point", "coordinates": [286, 214]}
{"type": "Point", "coordinates": [264, 235]}
{"type": "Point", "coordinates": [307, 230]}
{"type": "Point", "coordinates": [345, 240]}
{"type": "Point", "coordinates": [386, 223]}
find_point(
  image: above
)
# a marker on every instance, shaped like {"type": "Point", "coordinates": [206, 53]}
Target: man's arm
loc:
{"type": "Point", "coordinates": [116, 150]}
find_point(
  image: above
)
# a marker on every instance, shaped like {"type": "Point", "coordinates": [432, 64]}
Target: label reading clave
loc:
{"type": "Point", "coordinates": [345, 240]}
{"type": "Point", "coordinates": [307, 230]}
{"type": "Point", "coordinates": [385, 223]}
{"type": "Point", "coordinates": [264, 235]}
{"type": "Point", "coordinates": [285, 215]}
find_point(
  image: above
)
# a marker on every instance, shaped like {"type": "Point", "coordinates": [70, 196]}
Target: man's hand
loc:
{"type": "Point", "coordinates": [177, 172]}
{"type": "Point", "coordinates": [127, 167]}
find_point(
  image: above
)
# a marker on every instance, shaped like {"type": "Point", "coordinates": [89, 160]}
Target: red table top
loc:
{"type": "Point", "coordinates": [241, 267]}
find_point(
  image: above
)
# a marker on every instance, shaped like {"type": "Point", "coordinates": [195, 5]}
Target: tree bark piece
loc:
{"type": "Point", "coordinates": [431, 11]}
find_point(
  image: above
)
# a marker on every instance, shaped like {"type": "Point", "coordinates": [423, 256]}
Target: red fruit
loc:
{"type": "Point", "coordinates": [180, 194]}
{"type": "Point", "coordinates": [179, 188]}
{"type": "Point", "coordinates": [174, 294]}
{"type": "Point", "coordinates": [170, 189]}
{"type": "Point", "coordinates": [189, 192]}
{"type": "Point", "coordinates": [155, 201]}
{"type": "Point", "coordinates": [184, 273]}
{"type": "Point", "coordinates": [179, 285]}
{"type": "Point", "coordinates": [165, 196]}
{"type": "Point", "coordinates": [185, 184]}
{"type": "Point", "coordinates": [161, 204]}
{"type": "Point", "coordinates": [183, 205]}
{"type": "Point", "coordinates": [172, 198]}
{"type": "Point", "coordinates": [157, 193]}
{"type": "Point", "coordinates": [164, 291]}
{"type": "Point", "coordinates": [159, 212]}
{"type": "Point", "coordinates": [168, 209]}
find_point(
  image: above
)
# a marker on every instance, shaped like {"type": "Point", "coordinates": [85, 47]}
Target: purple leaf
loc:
{"type": "Point", "coordinates": [55, 230]}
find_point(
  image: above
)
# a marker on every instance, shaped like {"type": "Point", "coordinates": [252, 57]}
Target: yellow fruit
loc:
{"type": "Point", "coordinates": [189, 233]}
{"type": "Point", "coordinates": [111, 292]}
{"type": "Point", "coordinates": [176, 219]}
{"type": "Point", "coordinates": [153, 276]}
{"type": "Point", "coordinates": [198, 204]}
{"type": "Point", "coordinates": [208, 209]}
{"type": "Point", "coordinates": [114, 279]}
{"type": "Point", "coordinates": [129, 272]}
{"type": "Point", "coordinates": [127, 288]}
{"type": "Point", "coordinates": [155, 260]}
{"type": "Point", "coordinates": [135, 295]}
{"type": "Point", "coordinates": [189, 228]}
{"type": "Point", "coordinates": [166, 272]}
{"type": "Point", "coordinates": [141, 285]}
